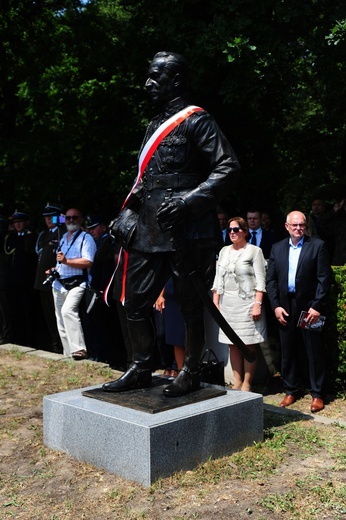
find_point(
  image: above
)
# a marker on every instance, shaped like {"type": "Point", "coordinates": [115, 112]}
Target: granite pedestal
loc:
{"type": "Point", "coordinates": [144, 447]}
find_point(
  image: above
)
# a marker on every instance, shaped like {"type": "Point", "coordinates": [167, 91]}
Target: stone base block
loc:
{"type": "Point", "coordinates": [144, 447]}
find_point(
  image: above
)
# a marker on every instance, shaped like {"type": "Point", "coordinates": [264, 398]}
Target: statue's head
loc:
{"type": "Point", "coordinates": [167, 77]}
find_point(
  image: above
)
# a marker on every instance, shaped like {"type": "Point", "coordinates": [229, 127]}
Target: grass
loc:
{"type": "Point", "coordinates": [297, 471]}
{"type": "Point", "coordinates": [314, 496]}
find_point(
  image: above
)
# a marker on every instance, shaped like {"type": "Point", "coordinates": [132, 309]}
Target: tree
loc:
{"type": "Point", "coordinates": [73, 107]}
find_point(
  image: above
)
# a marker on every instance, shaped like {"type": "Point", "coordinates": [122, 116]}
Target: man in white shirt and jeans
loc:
{"type": "Point", "coordinates": [75, 258]}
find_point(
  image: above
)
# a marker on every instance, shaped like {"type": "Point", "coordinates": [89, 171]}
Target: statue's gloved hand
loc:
{"type": "Point", "coordinates": [171, 213]}
{"type": "Point", "coordinates": [122, 228]}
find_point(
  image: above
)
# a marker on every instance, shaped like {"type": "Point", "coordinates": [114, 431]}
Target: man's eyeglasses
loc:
{"type": "Point", "coordinates": [72, 217]}
{"type": "Point", "coordinates": [297, 225]}
{"type": "Point", "coordinates": [233, 229]}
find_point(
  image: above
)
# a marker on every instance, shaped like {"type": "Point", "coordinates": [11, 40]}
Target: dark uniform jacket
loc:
{"type": "Point", "coordinates": [194, 162]}
{"type": "Point", "coordinates": [268, 239]}
{"type": "Point", "coordinates": [21, 259]}
{"type": "Point", "coordinates": [46, 247]}
{"type": "Point", "coordinates": [313, 276]}
{"type": "Point", "coordinates": [104, 263]}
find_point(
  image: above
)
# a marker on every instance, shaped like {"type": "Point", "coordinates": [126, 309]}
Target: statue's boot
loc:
{"type": "Point", "coordinates": [138, 375]}
{"type": "Point", "coordinates": [188, 379]}
{"type": "Point", "coordinates": [133, 378]}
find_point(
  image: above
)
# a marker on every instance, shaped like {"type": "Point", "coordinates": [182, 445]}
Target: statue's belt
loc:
{"type": "Point", "coordinates": [171, 180]}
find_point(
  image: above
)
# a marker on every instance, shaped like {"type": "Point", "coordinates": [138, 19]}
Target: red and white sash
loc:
{"type": "Point", "coordinates": [144, 158]}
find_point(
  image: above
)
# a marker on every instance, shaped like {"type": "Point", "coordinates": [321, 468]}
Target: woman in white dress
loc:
{"type": "Point", "coordinates": [238, 289]}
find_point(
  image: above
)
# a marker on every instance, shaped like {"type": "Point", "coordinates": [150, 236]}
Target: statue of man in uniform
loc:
{"type": "Point", "coordinates": [186, 174]}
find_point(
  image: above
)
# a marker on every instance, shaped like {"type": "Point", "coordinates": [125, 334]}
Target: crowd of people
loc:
{"type": "Point", "coordinates": [270, 283]}
{"type": "Point", "coordinates": [259, 275]}
{"type": "Point", "coordinates": [44, 278]}
{"type": "Point", "coordinates": [53, 284]}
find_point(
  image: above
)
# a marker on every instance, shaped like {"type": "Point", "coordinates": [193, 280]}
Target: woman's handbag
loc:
{"type": "Point", "coordinates": [212, 370]}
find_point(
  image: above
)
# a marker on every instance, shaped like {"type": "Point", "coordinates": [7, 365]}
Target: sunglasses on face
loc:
{"type": "Point", "coordinates": [234, 229]}
{"type": "Point", "coordinates": [72, 217]}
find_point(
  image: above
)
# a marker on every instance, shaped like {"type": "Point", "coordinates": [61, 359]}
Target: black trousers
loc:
{"type": "Point", "coordinates": [48, 310]}
{"type": "Point", "coordinates": [148, 273]}
{"type": "Point", "coordinates": [21, 301]}
{"type": "Point", "coordinates": [302, 351]}
{"type": "Point", "coordinates": [6, 318]}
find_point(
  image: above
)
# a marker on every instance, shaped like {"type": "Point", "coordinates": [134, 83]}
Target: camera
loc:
{"type": "Point", "coordinates": [58, 220]}
{"type": "Point", "coordinates": [51, 276]}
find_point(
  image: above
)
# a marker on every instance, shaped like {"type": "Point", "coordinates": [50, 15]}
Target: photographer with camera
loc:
{"type": "Point", "coordinates": [46, 247]}
{"type": "Point", "coordinates": [75, 258]}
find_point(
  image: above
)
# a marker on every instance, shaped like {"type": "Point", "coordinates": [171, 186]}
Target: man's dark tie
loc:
{"type": "Point", "coordinates": [253, 238]}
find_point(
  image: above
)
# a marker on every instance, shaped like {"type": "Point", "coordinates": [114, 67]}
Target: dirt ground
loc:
{"type": "Point", "coordinates": [291, 474]}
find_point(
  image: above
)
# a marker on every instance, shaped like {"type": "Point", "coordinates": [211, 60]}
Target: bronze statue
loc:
{"type": "Point", "coordinates": [171, 213]}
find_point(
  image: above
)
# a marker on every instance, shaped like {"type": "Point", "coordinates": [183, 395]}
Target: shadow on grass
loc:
{"type": "Point", "coordinates": [275, 416]}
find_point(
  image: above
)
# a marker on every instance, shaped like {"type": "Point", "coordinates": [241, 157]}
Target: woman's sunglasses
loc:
{"type": "Point", "coordinates": [234, 229]}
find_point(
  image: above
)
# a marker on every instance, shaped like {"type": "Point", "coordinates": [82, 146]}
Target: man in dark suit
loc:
{"type": "Point", "coordinates": [298, 279]}
{"type": "Point", "coordinates": [258, 236]}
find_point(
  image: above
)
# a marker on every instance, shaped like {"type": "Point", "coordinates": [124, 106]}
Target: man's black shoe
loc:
{"type": "Point", "coordinates": [134, 378]}
{"type": "Point", "coordinates": [185, 382]}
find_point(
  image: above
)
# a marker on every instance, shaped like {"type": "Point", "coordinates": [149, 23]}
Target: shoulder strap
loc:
{"type": "Point", "coordinates": [155, 140]}
{"type": "Point", "coordinates": [85, 270]}
{"type": "Point", "coordinates": [76, 236]}
{"type": "Point", "coordinates": [73, 240]}
{"type": "Point", "coordinates": [146, 154]}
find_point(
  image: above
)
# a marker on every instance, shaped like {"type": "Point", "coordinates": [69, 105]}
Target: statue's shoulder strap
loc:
{"type": "Point", "coordinates": [153, 142]}
{"type": "Point", "coordinates": [146, 154]}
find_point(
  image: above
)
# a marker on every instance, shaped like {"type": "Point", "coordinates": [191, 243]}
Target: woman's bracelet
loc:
{"type": "Point", "coordinates": [259, 303]}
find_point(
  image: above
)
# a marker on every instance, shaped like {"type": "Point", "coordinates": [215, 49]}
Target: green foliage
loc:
{"type": "Point", "coordinates": [337, 34]}
{"type": "Point", "coordinates": [335, 333]}
{"type": "Point", "coordinates": [73, 108]}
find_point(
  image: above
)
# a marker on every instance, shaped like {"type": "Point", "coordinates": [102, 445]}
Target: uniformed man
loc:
{"type": "Point", "coordinates": [101, 324]}
{"type": "Point", "coordinates": [46, 248]}
{"type": "Point", "coordinates": [172, 208]}
{"type": "Point", "coordinates": [19, 246]}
